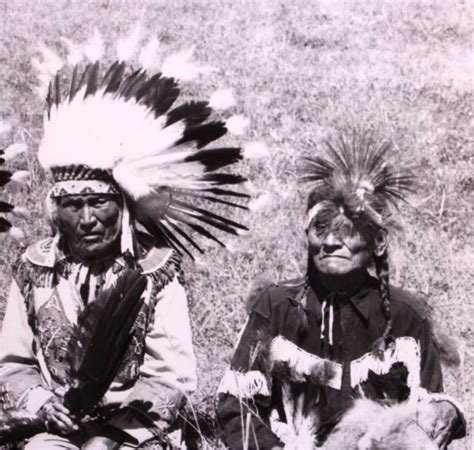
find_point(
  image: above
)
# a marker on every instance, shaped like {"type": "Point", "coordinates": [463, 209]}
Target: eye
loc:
{"type": "Point", "coordinates": [98, 201]}
{"type": "Point", "coordinates": [319, 225]}
{"type": "Point", "coordinates": [71, 203]}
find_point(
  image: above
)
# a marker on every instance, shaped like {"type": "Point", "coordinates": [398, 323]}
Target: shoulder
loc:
{"type": "Point", "coordinates": [162, 265]}
{"type": "Point", "coordinates": [415, 305]}
{"type": "Point", "coordinates": [412, 303]}
{"type": "Point", "coordinates": [33, 265]}
{"type": "Point", "coordinates": [39, 253]}
{"type": "Point", "coordinates": [266, 296]}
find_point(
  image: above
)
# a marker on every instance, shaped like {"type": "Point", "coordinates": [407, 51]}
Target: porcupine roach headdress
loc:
{"type": "Point", "coordinates": [13, 180]}
{"type": "Point", "coordinates": [115, 129]}
{"type": "Point", "coordinates": [354, 189]}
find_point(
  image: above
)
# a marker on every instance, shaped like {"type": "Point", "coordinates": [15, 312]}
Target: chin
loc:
{"type": "Point", "coordinates": [98, 251]}
{"type": "Point", "coordinates": [334, 268]}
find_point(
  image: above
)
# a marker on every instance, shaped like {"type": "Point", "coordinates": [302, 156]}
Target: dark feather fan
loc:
{"type": "Point", "coordinates": [100, 340]}
{"type": "Point", "coordinates": [5, 177]}
{"type": "Point", "coordinates": [95, 351]}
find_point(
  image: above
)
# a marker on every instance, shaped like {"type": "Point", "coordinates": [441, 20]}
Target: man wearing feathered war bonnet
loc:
{"type": "Point", "coordinates": [340, 358]}
{"type": "Point", "coordinates": [96, 348]}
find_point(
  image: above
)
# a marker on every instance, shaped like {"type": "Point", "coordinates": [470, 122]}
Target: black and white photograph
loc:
{"type": "Point", "coordinates": [236, 224]}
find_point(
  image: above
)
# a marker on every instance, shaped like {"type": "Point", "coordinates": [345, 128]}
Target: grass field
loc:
{"type": "Point", "coordinates": [301, 70]}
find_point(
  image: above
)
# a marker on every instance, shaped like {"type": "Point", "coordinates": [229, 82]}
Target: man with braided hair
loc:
{"type": "Point", "coordinates": [310, 346]}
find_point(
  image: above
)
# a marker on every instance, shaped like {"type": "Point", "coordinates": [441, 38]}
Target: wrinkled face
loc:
{"type": "Point", "coordinates": [91, 224]}
{"type": "Point", "coordinates": [337, 252]}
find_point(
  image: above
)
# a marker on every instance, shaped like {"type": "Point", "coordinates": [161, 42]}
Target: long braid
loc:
{"type": "Point", "coordinates": [301, 302]}
{"type": "Point", "coordinates": [382, 270]}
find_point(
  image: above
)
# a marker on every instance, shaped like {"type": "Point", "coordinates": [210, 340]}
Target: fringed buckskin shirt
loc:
{"type": "Point", "coordinates": [351, 324]}
{"type": "Point", "coordinates": [48, 292]}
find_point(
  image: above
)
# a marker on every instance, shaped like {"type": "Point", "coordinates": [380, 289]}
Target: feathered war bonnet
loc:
{"type": "Point", "coordinates": [354, 189]}
{"type": "Point", "coordinates": [114, 128]}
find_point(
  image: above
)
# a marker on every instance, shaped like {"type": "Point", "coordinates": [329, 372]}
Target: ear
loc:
{"type": "Point", "coordinates": [381, 243]}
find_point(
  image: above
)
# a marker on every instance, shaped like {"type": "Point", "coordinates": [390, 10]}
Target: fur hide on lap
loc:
{"type": "Point", "coordinates": [371, 425]}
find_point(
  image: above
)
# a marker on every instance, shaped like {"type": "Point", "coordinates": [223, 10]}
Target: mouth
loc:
{"type": "Point", "coordinates": [334, 256]}
{"type": "Point", "coordinates": [91, 237]}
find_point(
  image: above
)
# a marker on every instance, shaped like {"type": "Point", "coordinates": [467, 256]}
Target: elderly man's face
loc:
{"type": "Point", "coordinates": [336, 253]}
{"type": "Point", "coordinates": [91, 224]}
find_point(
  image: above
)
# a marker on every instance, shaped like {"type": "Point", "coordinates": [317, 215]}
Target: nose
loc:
{"type": "Point", "coordinates": [88, 219]}
{"type": "Point", "coordinates": [331, 243]}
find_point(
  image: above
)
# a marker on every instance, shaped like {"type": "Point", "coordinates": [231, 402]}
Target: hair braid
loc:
{"type": "Point", "coordinates": [382, 270]}
{"type": "Point", "coordinates": [301, 302]}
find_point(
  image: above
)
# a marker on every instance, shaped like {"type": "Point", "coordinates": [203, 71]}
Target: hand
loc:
{"type": "Point", "coordinates": [439, 422]}
{"type": "Point", "coordinates": [57, 417]}
{"type": "Point", "coordinates": [101, 443]}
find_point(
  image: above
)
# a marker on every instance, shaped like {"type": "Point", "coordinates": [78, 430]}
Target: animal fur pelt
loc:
{"type": "Point", "coordinates": [389, 419]}
{"type": "Point", "coordinates": [371, 425]}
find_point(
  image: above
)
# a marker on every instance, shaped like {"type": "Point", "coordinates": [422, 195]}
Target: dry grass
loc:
{"type": "Point", "coordinates": [300, 70]}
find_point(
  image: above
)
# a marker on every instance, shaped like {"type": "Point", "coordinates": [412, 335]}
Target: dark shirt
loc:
{"type": "Point", "coordinates": [357, 323]}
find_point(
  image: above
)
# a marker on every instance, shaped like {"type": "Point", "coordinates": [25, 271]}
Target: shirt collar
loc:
{"type": "Point", "coordinates": [361, 300]}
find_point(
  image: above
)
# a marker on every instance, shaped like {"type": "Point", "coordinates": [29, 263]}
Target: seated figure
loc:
{"type": "Point", "coordinates": [129, 172]}
{"type": "Point", "coordinates": [340, 359]}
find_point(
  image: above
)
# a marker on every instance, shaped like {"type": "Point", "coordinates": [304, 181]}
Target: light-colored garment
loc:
{"type": "Point", "coordinates": [45, 301]}
{"type": "Point", "coordinates": [46, 441]}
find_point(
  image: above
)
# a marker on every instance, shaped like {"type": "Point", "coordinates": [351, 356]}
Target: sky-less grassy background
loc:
{"type": "Point", "coordinates": [300, 70]}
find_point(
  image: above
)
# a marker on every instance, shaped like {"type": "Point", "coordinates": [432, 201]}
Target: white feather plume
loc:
{"type": "Point", "coordinates": [51, 63]}
{"type": "Point", "coordinates": [94, 47]}
{"type": "Point", "coordinates": [237, 124]}
{"type": "Point", "coordinates": [20, 176]}
{"type": "Point", "coordinates": [47, 68]}
{"type": "Point", "coordinates": [127, 46]}
{"type": "Point", "coordinates": [129, 131]}
{"type": "Point", "coordinates": [20, 212]}
{"type": "Point", "coordinates": [16, 234]}
{"type": "Point", "coordinates": [14, 150]}
{"type": "Point", "coordinates": [250, 187]}
{"type": "Point", "coordinates": [148, 58]}
{"type": "Point", "coordinates": [222, 99]}
{"type": "Point", "coordinates": [180, 65]}
{"type": "Point", "coordinates": [4, 127]}
{"type": "Point", "coordinates": [255, 150]}
{"type": "Point", "coordinates": [261, 202]}
{"type": "Point", "coordinates": [74, 52]}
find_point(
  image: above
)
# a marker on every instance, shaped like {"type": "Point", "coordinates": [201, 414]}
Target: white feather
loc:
{"type": "Point", "coordinates": [74, 52]}
{"type": "Point", "coordinates": [78, 134]}
{"type": "Point", "coordinates": [14, 150]}
{"type": "Point", "coordinates": [47, 68]}
{"type": "Point", "coordinates": [180, 66]}
{"type": "Point", "coordinates": [261, 202]}
{"type": "Point", "coordinates": [222, 99]}
{"type": "Point", "coordinates": [16, 234]}
{"type": "Point", "coordinates": [127, 46]}
{"type": "Point", "coordinates": [94, 47]}
{"type": "Point", "coordinates": [250, 187]}
{"type": "Point", "coordinates": [254, 150]}
{"type": "Point", "coordinates": [237, 125]}
{"type": "Point", "coordinates": [4, 127]}
{"type": "Point", "coordinates": [51, 63]}
{"type": "Point", "coordinates": [148, 58]}
{"type": "Point", "coordinates": [21, 212]}
{"type": "Point", "coordinates": [21, 176]}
